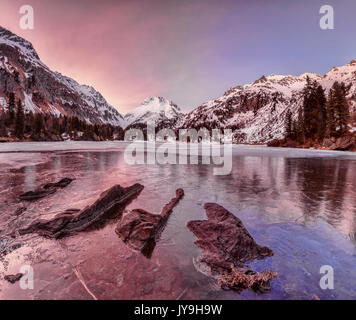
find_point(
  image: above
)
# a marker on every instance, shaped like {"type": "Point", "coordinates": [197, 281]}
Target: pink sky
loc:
{"type": "Point", "coordinates": [189, 51]}
{"type": "Point", "coordinates": [127, 50]}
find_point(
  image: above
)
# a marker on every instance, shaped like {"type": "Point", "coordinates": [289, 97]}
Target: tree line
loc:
{"type": "Point", "coordinates": [16, 123]}
{"type": "Point", "coordinates": [320, 116]}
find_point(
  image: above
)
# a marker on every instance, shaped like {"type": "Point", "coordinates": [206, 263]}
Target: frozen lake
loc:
{"type": "Point", "coordinates": [300, 203]}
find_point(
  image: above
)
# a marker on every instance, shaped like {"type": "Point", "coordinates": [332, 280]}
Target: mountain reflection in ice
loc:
{"type": "Point", "coordinates": [302, 208]}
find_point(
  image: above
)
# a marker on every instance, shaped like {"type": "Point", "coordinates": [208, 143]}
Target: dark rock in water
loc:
{"type": "Point", "coordinates": [141, 230]}
{"type": "Point", "coordinates": [137, 230]}
{"type": "Point", "coordinates": [60, 184]}
{"type": "Point", "coordinates": [13, 278]}
{"type": "Point", "coordinates": [227, 245]}
{"type": "Point", "coordinates": [74, 220]}
{"type": "Point", "coordinates": [46, 190]}
{"type": "Point", "coordinates": [224, 238]}
{"type": "Point", "coordinates": [35, 195]}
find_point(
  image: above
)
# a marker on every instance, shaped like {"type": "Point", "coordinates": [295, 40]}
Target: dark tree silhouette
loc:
{"type": "Point", "coordinates": [19, 121]}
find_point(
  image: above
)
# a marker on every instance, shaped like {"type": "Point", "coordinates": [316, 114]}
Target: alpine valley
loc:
{"type": "Point", "coordinates": [256, 111]}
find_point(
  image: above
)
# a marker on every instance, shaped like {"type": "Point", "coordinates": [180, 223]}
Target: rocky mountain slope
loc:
{"type": "Point", "coordinates": [42, 90]}
{"type": "Point", "coordinates": [257, 111]}
{"type": "Point", "coordinates": [159, 110]}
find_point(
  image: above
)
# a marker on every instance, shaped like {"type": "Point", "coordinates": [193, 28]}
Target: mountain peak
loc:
{"type": "Point", "coordinates": [158, 101]}
{"type": "Point", "coordinates": [154, 108]}
{"type": "Point", "coordinates": [25, 47]}
{"type": "Point", "coordinates": [262, 79]}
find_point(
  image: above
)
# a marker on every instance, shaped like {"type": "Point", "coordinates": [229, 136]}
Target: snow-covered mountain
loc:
{"type": "Point", "coordinates": [154, 109]}
{"type": "Point", "coordinates": [42, 90]}
{"type": "Point", "coordinates": [256, 111]}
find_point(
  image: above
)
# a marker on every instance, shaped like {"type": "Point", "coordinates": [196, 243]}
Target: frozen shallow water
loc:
{"type": "Point", "coordinates": [301, 203]}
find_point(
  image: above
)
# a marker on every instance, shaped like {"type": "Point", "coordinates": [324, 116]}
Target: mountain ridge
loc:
{"type": "Point", "coordinates": [43, 90]}
{"type": "Point", "coordinates": [256, 111]}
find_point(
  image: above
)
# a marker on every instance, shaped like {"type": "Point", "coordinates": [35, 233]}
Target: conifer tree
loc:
{"type": "Point", "coordinates": [20, 120]}
{"type": "Point", "coordinates": [96, 130]}
{"type": "Point", "coordinates": [342, 109]}
{"type": "Point", "coordinates": [63, 125]}
{"type": "Point", "coordinates": [314, 110]}
{"type": "Point", "coordinates": [288, 124]}
{"type": "Point", "coordinates": [320, 101]}
{"type": "Point", "coordinates": [338, 115]}
{"type": "Point", "coordinates": [11, 109]}
{"type": "Point", "coordinates": [29, 122]}
{"type": "Point", "coordinates": [3, 130]}
{"type": "Point", "coordinates": [294, 130]}
{"type": "Point", "coordinates": [38, 123]}
{"type": "Point", "coordinates": [300, 130]}
{"type": "Point", "coordinates": [331, 115]}
{"type": "Point", "coordinates": [55, 125]}
{"type": "Point", "coordinates": [308, 107]}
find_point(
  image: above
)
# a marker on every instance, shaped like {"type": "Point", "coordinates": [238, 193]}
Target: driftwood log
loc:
{"type": "Point", "coordinates": [141, 230]}
{"type": "Point", "coordinates": [73, 221]}
{"type": "Point", "coordinates": [227, 245]}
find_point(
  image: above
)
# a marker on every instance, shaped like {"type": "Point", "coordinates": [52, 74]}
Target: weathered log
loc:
{"type": "Point", "coordinates": [45, 190]}
{"type": "Point", "coordinates": [141, 230]}
{"type": "Point", "coordinates": [73, 221]}
{"type": "Point", "coordinates": [227, 245]}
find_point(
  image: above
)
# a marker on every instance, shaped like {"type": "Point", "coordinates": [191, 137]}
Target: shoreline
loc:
{"type": "Point", "coordinates": [77, 146]}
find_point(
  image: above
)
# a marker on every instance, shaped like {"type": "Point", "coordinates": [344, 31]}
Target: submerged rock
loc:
{"type": "Point", "coordinates": [46, 190]}
{"type": "Point", "coordinates": [227, 245]}
{"type": "Point", "coordinates": [13, 278]}
{"type": "Point", "coordinates": [73, 221]}
{"type": "Point", "coordinates": [35, 195]}
{"type": "Point", "coordinates": [140, 229]}
{"type": "Point", "coordinates": [60, 184]}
